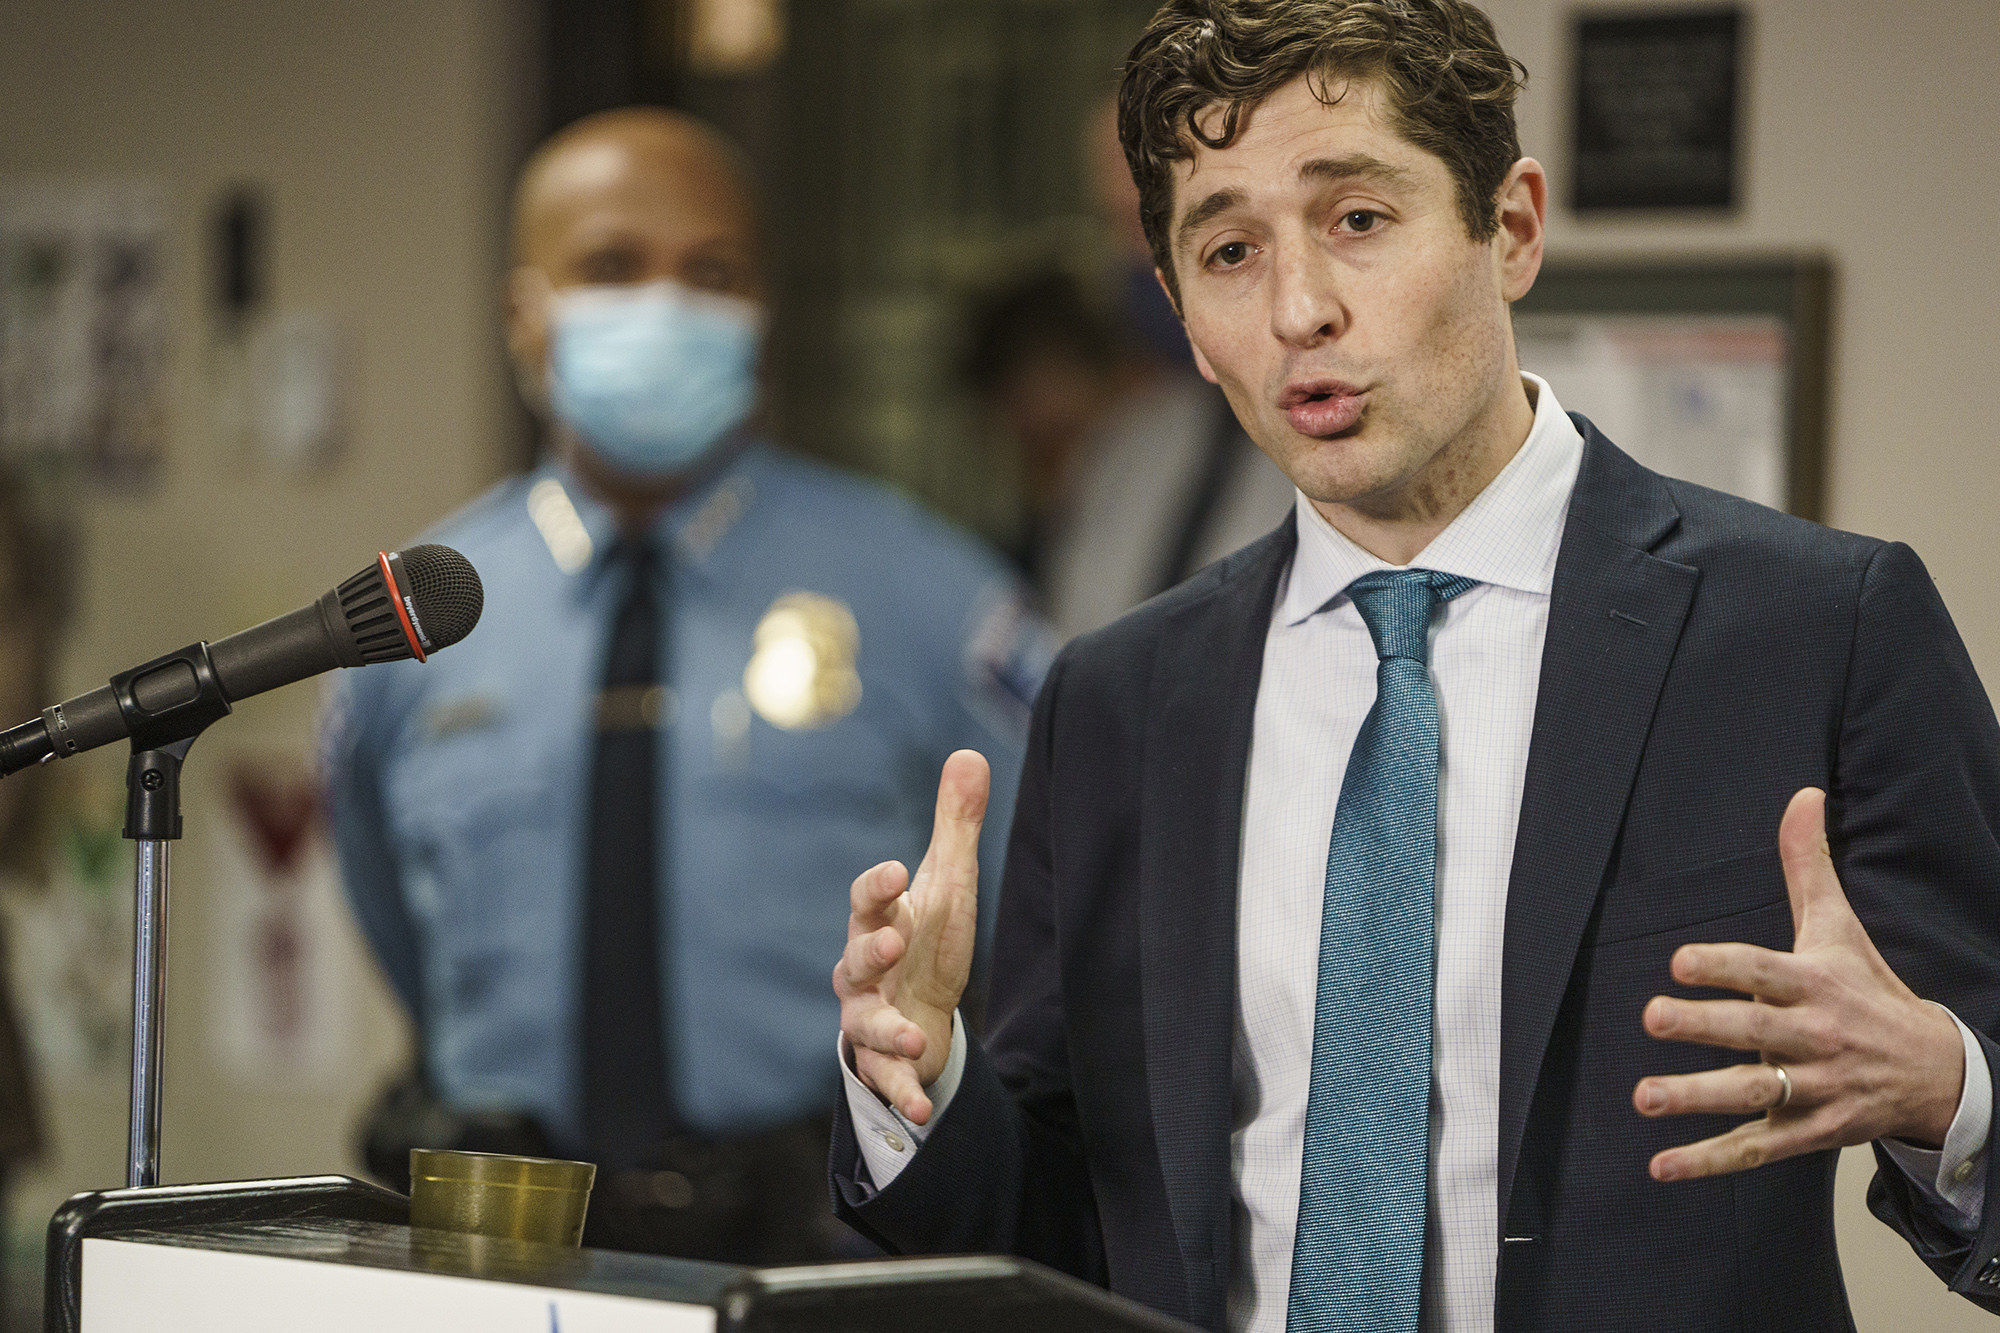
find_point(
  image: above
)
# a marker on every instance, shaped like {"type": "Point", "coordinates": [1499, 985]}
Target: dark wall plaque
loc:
{"type": "Point", "coordinates": [1656, 110]}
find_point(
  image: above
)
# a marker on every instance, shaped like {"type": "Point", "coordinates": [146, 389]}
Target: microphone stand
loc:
{"type": "Point", "coordinates": [176, 707]}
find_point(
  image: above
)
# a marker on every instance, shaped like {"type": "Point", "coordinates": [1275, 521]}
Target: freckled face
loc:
{"type": "Point", "coordinates": [1331, 289]}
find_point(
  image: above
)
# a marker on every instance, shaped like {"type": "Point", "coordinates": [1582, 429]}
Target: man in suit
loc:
{"type": "Point", "coordinates": [1353, 965]}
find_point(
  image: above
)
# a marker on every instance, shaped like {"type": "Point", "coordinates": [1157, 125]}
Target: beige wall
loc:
{"type": "Point", "coordinates": [383, 132]}
{"type": "Point", "coordinates": [1874, 135]}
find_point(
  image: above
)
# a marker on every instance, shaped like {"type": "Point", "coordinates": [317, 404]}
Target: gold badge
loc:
{"type": "Point", "coordinates": [801, 674]}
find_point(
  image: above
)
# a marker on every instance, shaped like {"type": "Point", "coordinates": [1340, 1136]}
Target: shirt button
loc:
{"type": "Point", "coordinates": [1963, 1172]}
{"type": "Point", "coordinates": [895, 1142]}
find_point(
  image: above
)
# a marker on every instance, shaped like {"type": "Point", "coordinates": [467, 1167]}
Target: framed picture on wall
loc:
{"type": "Point", "coordinates": [1710, 370]}
{"type": "Point", "coordinates": [1657, 113]}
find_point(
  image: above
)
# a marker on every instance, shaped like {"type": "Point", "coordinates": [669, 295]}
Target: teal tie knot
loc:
{"type": "Point", "coordinates": [1397, 604]}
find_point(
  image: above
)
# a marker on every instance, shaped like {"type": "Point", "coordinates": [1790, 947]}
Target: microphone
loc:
{"type": "Point", "coordinates": [406, 604]}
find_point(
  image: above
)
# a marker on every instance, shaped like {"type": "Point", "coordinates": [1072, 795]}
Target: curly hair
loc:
{"type": "Point", "coordinates": [1450, 88]}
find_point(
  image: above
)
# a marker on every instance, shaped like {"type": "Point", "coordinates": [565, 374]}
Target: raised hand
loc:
{"type": "Point", "coordinates": [1867, 1059]}
{"type": "Point", "coordinates": [909, 953]}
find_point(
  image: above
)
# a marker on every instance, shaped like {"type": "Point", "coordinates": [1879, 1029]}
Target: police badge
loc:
{"type": "Point", "coordinates": [801, 674]}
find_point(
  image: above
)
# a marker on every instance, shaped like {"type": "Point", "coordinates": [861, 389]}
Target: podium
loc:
{"type": "Point", "coordinates": [322, 1254]}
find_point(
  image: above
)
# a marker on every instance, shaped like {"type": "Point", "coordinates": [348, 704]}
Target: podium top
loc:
{"type": "Point", "coordinates": [229, 1254]}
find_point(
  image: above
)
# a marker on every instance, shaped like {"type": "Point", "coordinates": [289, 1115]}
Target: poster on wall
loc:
{"type": "Point", "coordinates": [1711, 370]}
{"type": "Point", "coordinates": [1699, 397]}
{"type": "Point", "coordinates": [69, 940]}
{"type": "Point", "coordinates": [83, 327]}
{"type": "Point", "coordinates": [279, 1013]}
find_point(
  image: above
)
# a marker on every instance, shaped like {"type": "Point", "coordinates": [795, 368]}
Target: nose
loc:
{"type": "Point", "coordinates": [1306, 305]}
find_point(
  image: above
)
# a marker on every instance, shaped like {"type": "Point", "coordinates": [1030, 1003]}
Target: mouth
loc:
{"type": "Point", "coordinates": [1323, 408]}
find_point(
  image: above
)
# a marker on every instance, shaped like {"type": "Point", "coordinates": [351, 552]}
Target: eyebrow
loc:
{"type": "Point", "coordinates": [1326, 170]}
{"type": "Point", "coordinates": [1204, 213]}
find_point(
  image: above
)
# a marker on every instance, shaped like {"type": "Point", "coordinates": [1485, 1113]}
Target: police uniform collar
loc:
{"type": "Point", "coordinates": [580, 532]}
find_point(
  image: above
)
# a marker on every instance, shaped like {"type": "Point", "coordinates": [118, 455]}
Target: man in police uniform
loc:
{"type": "Point", "coordinates": [602, 848]}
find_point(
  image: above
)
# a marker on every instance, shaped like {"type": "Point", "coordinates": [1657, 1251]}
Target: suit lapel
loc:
{"type": "Point", "coordinates": [1199, 712]}
{"type": "Point", "coordinates": [1615, 617]}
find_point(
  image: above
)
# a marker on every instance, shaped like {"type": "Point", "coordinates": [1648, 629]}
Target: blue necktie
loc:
{"type": "Point", "coordinates": [624, 1066]}
{"type": "Point", "coordinates": [1358, 1257]}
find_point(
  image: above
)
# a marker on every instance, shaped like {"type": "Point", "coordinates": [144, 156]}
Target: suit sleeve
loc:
{"type": "Point", "coordinates": [1915, 821]}
{"type": "Point", "coordinates": [1002, 1170]}
{"type": "Point", "coordinates": [351, 765]}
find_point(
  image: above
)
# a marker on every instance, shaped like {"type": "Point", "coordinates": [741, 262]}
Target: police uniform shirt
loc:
{"type": "Point", "coordinates": [827, 645]}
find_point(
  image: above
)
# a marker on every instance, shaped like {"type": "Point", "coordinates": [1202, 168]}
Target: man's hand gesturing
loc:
{"type": "Point", "coordinates": [1864, 1058]}
{"type": "Point", "coordinates": [908, 954]}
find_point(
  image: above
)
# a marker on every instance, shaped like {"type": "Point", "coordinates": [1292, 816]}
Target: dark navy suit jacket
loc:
{"type": "Point", "coordinates": [1705, 659]}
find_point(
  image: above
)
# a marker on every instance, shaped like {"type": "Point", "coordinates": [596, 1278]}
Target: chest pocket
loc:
{"type": "Point", "coordinates": [480, 825]}
{"type": "Point", "coordinates": [859, 768]}
{"type": "Point", "coordinates": [1681, 900]}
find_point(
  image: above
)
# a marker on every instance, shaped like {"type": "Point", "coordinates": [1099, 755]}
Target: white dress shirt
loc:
{"type": "Point", "coordinates": [1317, 686]}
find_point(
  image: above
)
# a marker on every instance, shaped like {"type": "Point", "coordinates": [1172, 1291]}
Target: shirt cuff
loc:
{"type": "Point", "coordinates": [887, 1140]}
{"type": "Point", "coordinates": [1952, 1176]}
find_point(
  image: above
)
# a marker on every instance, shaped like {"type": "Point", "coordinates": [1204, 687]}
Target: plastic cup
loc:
{"type": "Point", "coordinates": [491, 1194]}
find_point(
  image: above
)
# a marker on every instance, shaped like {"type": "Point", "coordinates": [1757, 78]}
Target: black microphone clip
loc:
{"type": "Point", "coordinates": [171, 698]}
{"type": "Point", "coordinates": [165, 704]}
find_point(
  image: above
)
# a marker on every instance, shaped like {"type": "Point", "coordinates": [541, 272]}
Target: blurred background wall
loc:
{"type": "Point", "coordinates": [380, 135]}
{"type": "Point", "coordinates": [913, 152]}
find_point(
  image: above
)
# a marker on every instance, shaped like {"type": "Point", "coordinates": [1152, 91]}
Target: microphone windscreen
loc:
{"type": "Point", "coordinates": [446, 590]}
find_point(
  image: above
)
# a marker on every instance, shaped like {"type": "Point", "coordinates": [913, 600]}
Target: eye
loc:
{"type": "Point", "coordinates": [1231, 254]}
{"type": "Point", "coordinates": [1361, 219]}
{"type": "Point", "coordinates": [611, 266]}
{"type": "Point", "coordinates": [714, 273]}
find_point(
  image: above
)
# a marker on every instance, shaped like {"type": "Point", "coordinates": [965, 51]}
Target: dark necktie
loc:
{"type": "Point", "coordinates": [625, 1080]}
{"type": "Point", "coordinates": [1358, 1255]}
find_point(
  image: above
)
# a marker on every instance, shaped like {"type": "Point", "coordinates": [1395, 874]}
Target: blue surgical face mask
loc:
{"type": "Point", "coordinates": [654, 376]}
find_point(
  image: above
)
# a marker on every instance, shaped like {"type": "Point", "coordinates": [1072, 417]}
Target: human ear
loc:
{"type": "Point", "coordinates": [1173, 297]}
{"type": "Point", "coordinates": [1200, 361]}
{"type": "Point", "coordinates": [1522, 206]}
{"type": "Point", "coordinates": [527, 299]}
